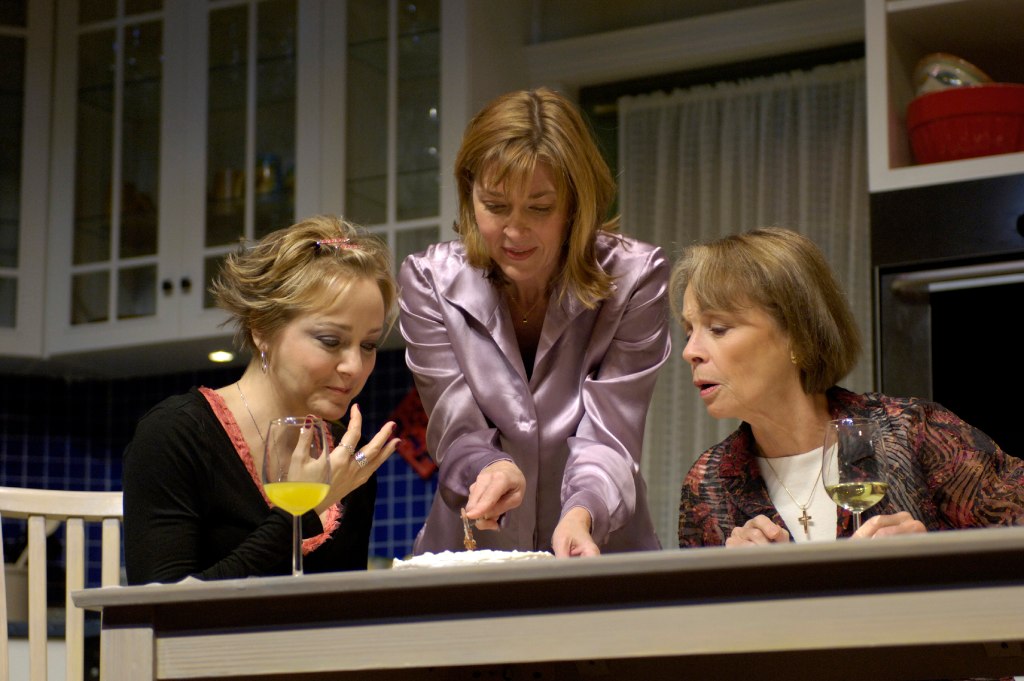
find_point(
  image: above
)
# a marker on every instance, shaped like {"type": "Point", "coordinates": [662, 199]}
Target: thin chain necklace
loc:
{"type": "Point", "coordinates": [238, 384]}
{"type": "Point", "coordinates": [804, 519]}
{"type": "Point", "coordinates": [527, 313]}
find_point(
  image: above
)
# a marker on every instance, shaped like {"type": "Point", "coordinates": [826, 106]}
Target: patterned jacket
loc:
{"type": "Point", "coordinates": [943, 471]}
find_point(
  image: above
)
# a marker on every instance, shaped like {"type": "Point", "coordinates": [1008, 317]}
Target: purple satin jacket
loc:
{"type": "Point", "coordinates": [575, 427]}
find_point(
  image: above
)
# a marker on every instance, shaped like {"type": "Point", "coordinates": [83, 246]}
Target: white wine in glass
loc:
{"type": "Point", "coordinates": [853, 465]}
{"type": "Point", "coordinates": [296, 471]}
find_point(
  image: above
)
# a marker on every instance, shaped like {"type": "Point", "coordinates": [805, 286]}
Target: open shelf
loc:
{"type": "Point", "coordinates": [900, 32]}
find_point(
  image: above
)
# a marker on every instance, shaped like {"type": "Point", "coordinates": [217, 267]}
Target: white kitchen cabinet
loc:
{"type": "Point", "coordinates": [897, 34]}
{"type": "Point", "coordinates": [175, 136]}
{"type": "Point", "coordinates": [181, 128]}
{"type": "Point", "coordinates": [26, 32]}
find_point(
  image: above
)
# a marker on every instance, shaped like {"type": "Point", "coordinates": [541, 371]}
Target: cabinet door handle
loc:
{"type": "Point", "coordinates": [186, 284]}
{"type": "Point", "coordinates": [167, 286]}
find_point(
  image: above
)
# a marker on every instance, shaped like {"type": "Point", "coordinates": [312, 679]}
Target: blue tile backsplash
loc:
{"type": "Point", "coordinates": [62, 434]}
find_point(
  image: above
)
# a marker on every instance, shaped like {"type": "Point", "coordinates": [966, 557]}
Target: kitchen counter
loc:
{"type": "Point", "coordinates": [941, 605]}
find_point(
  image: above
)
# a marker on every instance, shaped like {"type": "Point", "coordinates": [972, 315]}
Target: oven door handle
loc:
{"type": "Point", "coordinates": [957, 278]}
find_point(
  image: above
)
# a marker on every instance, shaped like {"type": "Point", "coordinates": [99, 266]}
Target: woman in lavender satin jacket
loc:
{"type": "Point", "coordinates": [535, 340]}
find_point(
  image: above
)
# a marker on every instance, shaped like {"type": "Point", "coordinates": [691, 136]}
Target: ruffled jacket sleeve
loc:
{"type": "Point", "coordinates": [946, 472]}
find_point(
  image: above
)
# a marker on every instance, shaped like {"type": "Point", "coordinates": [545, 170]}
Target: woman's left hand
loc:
{"type": "Point", "coordinates": [886, 525]}
{"type": "Point", "coordinates": [571, 537]}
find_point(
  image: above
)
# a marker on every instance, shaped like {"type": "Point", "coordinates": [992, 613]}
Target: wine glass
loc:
{"type": "Point", "coordinates": [296, 471]}
{"type": "Point", "coordinates": [853, 465]}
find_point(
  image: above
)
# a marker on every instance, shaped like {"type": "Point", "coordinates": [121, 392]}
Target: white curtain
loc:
{"type": "Point", "coordinates": [786, 150]}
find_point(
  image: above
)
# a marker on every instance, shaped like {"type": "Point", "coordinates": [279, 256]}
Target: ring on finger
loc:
{"type": "Point", "coordinates": [350, 448]}
{"type": "Point", "coordinates": [360, 458]}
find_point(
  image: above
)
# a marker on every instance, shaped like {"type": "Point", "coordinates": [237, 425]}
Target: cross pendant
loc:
{"type": "Point", "coordinates": [805, 520]}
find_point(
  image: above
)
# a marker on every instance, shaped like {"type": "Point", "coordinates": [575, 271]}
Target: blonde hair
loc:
{"type": "Point", "coordinates": [786, 275]}
{"type": "Point", "coordinates": [504, 143]}
{"type": "Point", "coordinates": [287, 273]}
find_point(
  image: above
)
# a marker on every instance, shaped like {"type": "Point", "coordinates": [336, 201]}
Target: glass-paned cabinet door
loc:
{"type": "Point", "coordinates": [366, 107]}
{"type": "Point", "coordinates": [25, 65]}
{"type": "Point", "coordinates": [251, 124]}
{"type": "Point", "coordinates": [12, 107]}
{"type": "Point", "coordinates": [413, 240]}
{"type": "Point", "coordinates": [118, 112]}
{"type": "Point", "coordinates": [417, 132]}
{"type": "Point", "coordinates": [392, 111]}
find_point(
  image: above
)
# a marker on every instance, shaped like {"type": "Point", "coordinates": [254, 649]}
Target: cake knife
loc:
{"type": "Point", "coordinates": [467, 537]}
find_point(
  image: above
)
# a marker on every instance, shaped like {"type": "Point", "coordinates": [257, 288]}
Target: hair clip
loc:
{"type": "Point", "coordinates": [339, 242]}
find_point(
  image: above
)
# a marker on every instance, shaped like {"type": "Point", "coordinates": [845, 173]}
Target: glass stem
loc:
{"type": "Point", "coordinates": [856, 520]}
{"type": "Point", "coordinates": [296, 545]}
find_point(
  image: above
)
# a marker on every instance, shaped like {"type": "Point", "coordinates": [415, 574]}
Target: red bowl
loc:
{"type": "Point", "coordinates": [965, 122]}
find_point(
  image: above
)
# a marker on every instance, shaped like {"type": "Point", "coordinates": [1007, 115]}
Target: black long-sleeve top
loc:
{"type": "Point", "coordinates": [193, 505]}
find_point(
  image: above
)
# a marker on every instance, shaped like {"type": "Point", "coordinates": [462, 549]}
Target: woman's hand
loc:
{"type": "Point", "coordinates": [887, 525]}
{"type": "Point", "coordinates": [498, 488]}
{"type": "Point", "coordinates": [757, 530]}
{"type": "Point", "coordinates": [571, 537]}
{"type": "Point", "coordinates": [301, 466]}
{"type": "Point", "coordinates": [346, 473]}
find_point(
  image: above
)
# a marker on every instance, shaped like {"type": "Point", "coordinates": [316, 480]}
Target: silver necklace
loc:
{"type": "Point", "coordinates": [804, 519]}
{"type": "Point", "coordinates": [238, 384]}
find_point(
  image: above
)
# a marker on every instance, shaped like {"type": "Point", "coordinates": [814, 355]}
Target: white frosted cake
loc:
{"type": "Point", "coordinates": [481, 557]}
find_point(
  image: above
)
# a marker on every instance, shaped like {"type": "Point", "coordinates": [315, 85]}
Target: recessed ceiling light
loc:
{"type": "Point", "coordinates": [221, 356]}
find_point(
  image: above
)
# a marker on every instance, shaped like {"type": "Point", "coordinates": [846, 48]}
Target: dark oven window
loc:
{"type": "Point", "coordinates": [978, 359]}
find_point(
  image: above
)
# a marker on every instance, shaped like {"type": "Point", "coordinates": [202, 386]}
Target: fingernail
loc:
{"type": "Point", "coordinates": [308, 424]}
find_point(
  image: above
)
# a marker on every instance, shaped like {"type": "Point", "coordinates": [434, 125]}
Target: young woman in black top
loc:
{"type": "Point", "coordinates": [311, 302]}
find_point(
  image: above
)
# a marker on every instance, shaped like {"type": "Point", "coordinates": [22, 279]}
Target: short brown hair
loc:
{"type": "Point", "coordinates": [504, 143]}
{"type": "Point", "coordinates": [263, 287]}
{"type": "Point", "coordinates": [787, 275]}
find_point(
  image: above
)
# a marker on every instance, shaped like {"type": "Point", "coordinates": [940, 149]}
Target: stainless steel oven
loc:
{"type": "Point", "coordinates": [948, 262]}
{"type": "Point", "coordinates": [950, 334]}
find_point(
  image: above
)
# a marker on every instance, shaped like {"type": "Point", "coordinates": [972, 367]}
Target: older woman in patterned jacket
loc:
{"type": "Point", "coordinates": [769, 335]}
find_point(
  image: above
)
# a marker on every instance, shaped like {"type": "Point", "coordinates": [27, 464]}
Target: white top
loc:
{"type": "Point", "coordinates": [801, 474]}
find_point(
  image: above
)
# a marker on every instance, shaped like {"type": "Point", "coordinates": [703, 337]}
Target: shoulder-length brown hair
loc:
{"type": "Point", "coordinates": [289, 271]}
{"type": "Point", "coordinates": [785, 274]}
{"type": "Point", "coordinates": [504, 143]}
